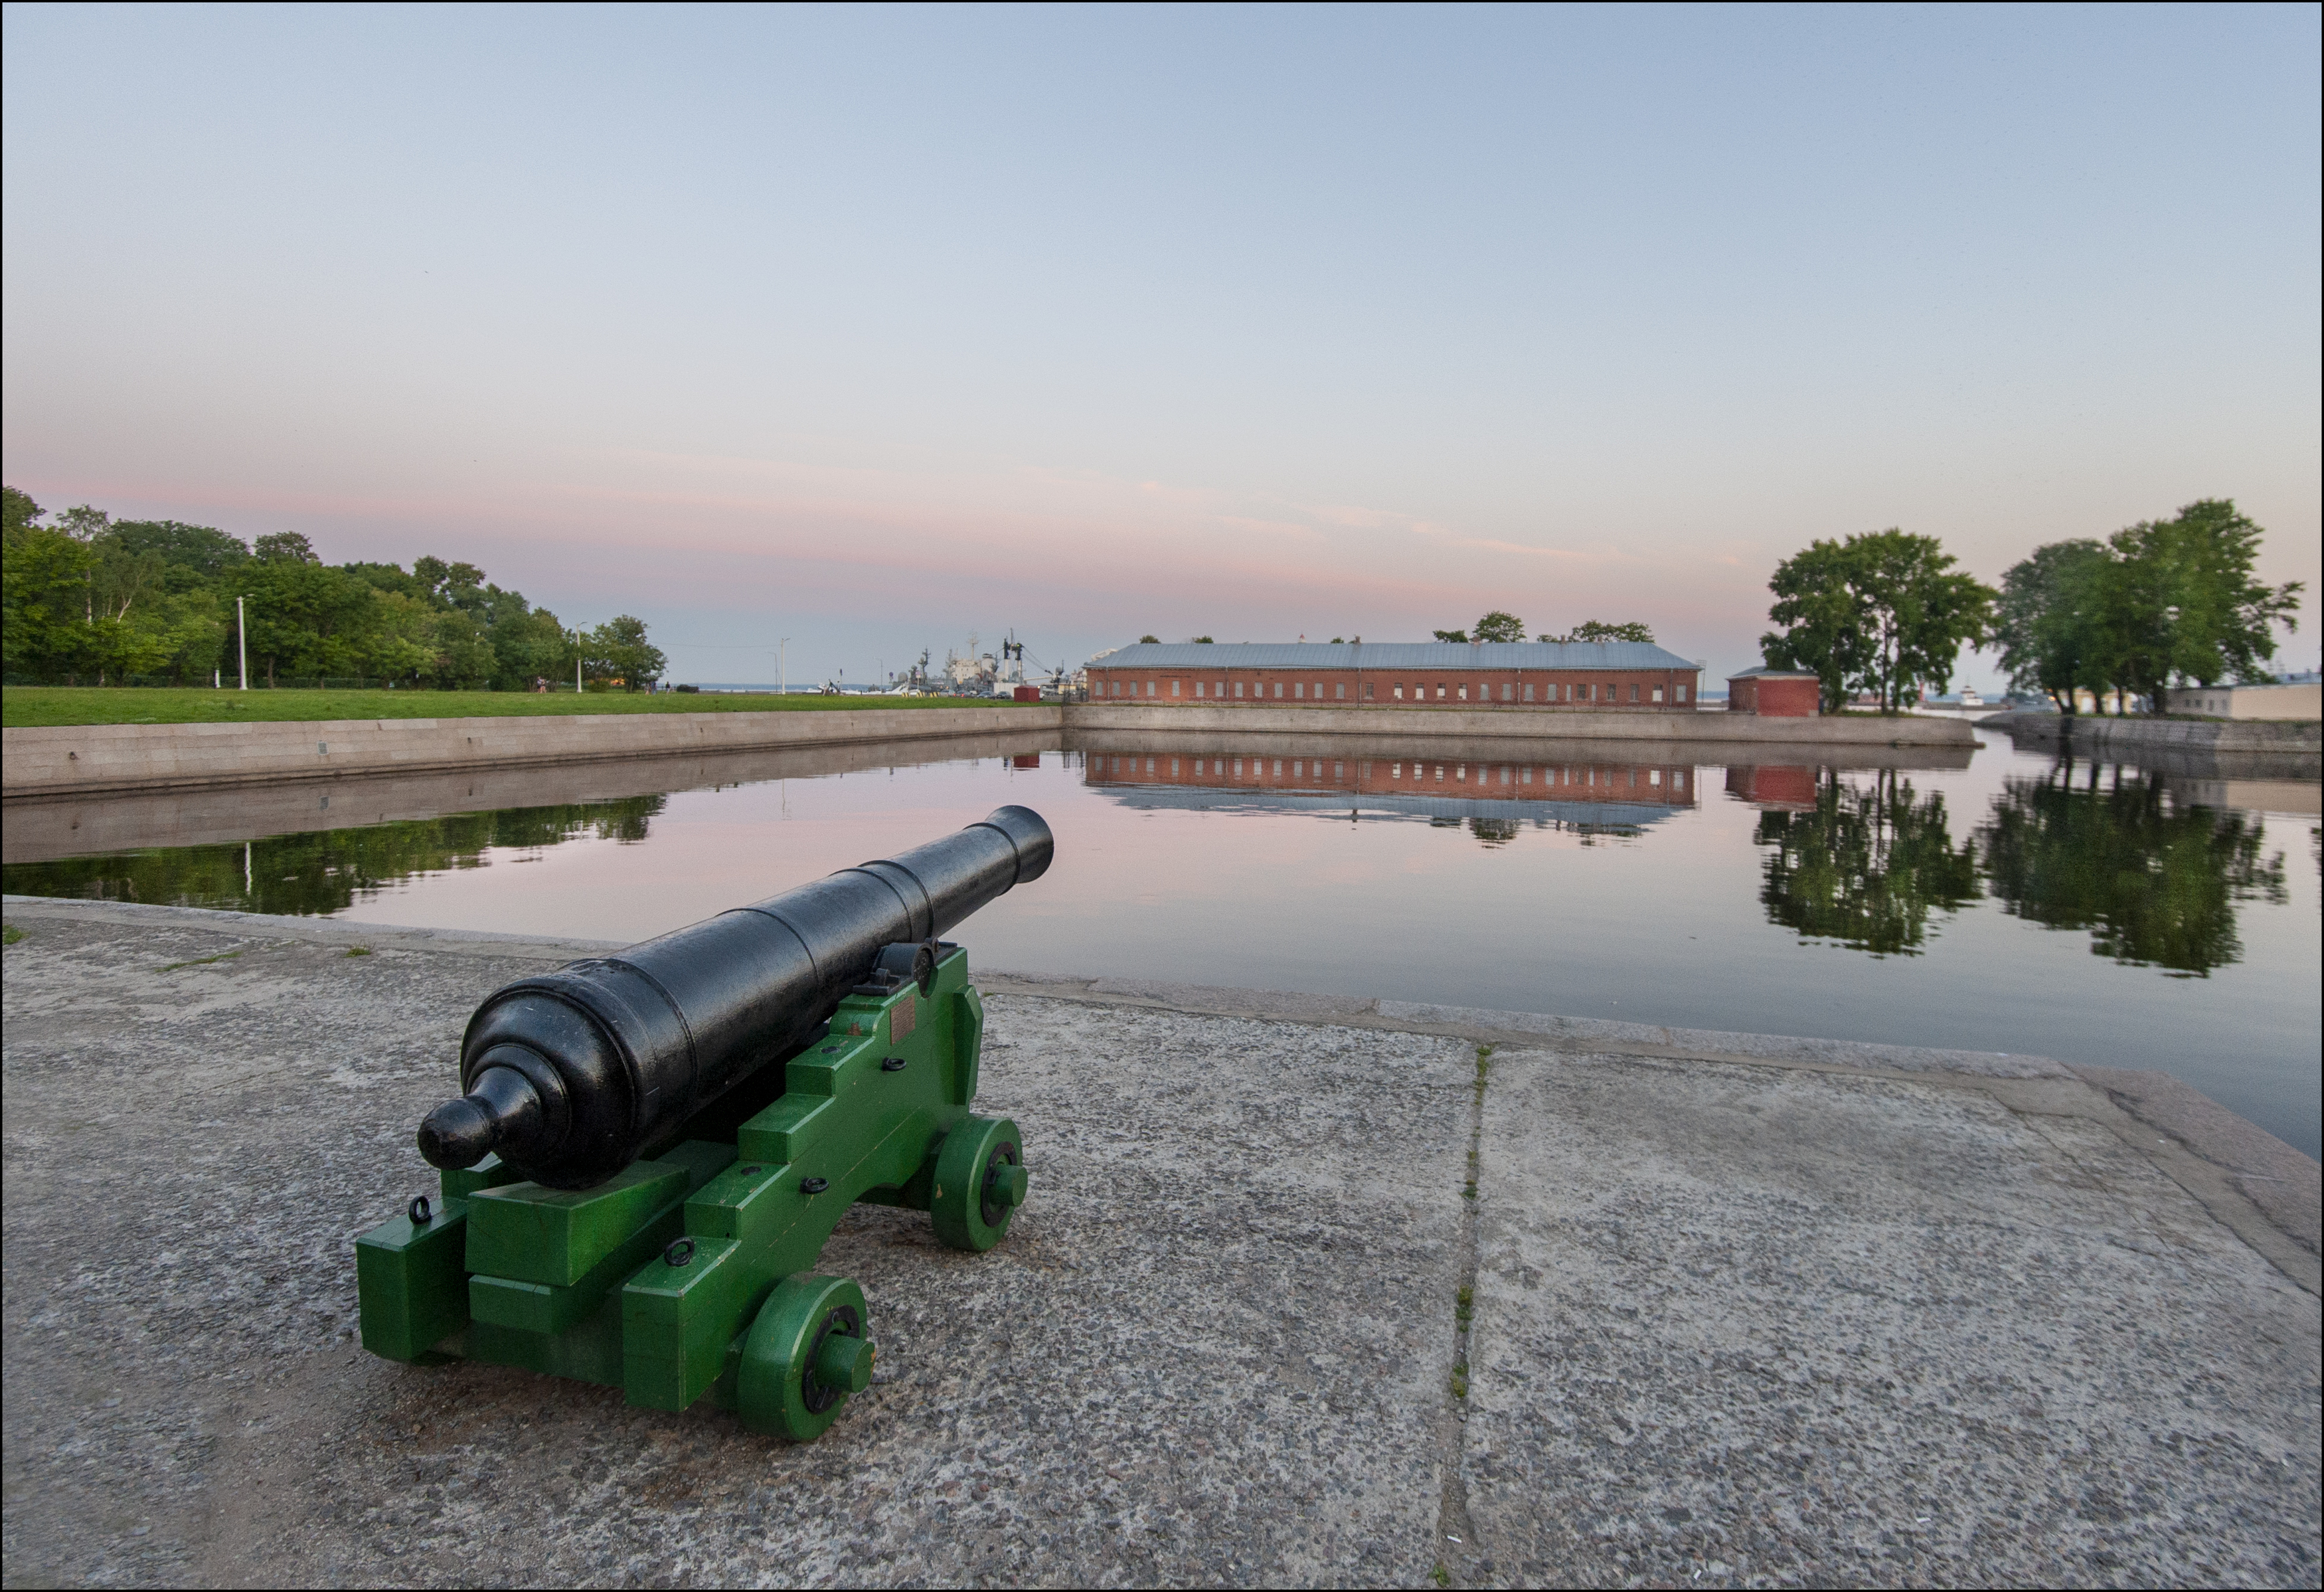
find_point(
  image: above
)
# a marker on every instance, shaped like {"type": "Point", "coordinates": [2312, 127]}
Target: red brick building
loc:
{"type": "Point", "coordinates": [1629, 677]}
{"type": "Point", "coordinates": [1775, 693]}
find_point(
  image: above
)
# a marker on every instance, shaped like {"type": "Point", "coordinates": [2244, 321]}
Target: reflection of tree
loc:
{"type": "Point", "coordinates": [1493, 832]}
{"type": "Point", "coordinates": [327, 872]}
{"type": "Point", "coordinates": [1865, 866]}
{"type": "Point", "coordinates": [2155, 881]}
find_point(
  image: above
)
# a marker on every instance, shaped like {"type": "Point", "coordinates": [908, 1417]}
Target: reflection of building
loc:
{"type": "Point", "coordinates": [1594, 795]}
{"type": "Point", "coordinates": [1770, 785]}
{"type": "Point", "coordinates": [1628, 676]}
{"type": "Point", "coordinates": [1775, 693]}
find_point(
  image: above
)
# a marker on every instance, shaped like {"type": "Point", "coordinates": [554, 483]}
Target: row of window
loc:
{"type": "Point", "coordinates": [1587, 777]}
{"type": "Point", "coordinates": [1454, 690]}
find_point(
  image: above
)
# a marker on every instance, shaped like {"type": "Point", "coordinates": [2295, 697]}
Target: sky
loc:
{"type": "Point", "coordinates": [876, 329]}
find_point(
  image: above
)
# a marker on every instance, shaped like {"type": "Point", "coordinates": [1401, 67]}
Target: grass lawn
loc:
{"type": "Point", "coordinates": [24, 706]}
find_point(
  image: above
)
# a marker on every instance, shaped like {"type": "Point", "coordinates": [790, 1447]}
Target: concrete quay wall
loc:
{"type": "Point", "coordinates": [90, 760]}
{"type": "Point", "coordinates": [86, 760]}
{"type": "Point", "coordinates": [1692, 730]}
{"type": "Point", "coordinates": [2095, 733]}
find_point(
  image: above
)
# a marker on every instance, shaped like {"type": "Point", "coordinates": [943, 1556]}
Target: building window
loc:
{"type": "Point", "coordinates": [1149, 688]}
{"type": "Point", "coordinates": [1397, 690]}
{"type": "Point", "coordinates": [1222, 691]}
{"type": "Point", "coordinates": [1278, 696]}
{"type": "Point", "coordinates": [1237, 688]}
{"type": "Point", "coordinates": [1440, 690]}
{"type": "Point", "coordinates": [1654, 775]}
{"type": "Point", "coordinates": [1508, 693]}
{"type": "Point", "coordinates": [1634, 693]}
{"type": "Point", "coordinates": [1682, 693]}
{"type": "Point", "coordinates": [1198, 691]}
{"type": "Point", "coordinates": [1297, 689]}
{"type": "Point", "coordinates": [1368, 690]}
{"type": "Point", "coordinates": [1339, 693]}
{"type": "Point", "coordinates": [1658, 693]}
{"type": "Point", "coordinates": [1174, 687]}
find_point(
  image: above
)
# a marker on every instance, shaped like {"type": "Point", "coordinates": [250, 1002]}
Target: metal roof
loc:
{"type": "Point", "coordinates": [1772, 672]}
{"type": "Point", "coordinates": [1409, 655]}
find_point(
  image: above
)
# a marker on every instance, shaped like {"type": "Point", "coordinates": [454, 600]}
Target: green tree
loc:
{"type": "Point", "coordinates": [1885, 611]}
{"type": "Point", "coordinates": [1867, 867]}
{"type": "Point", "coordinates": [1452, 635]}
{"type": "Point", "coordinates": [43, 592]}
{"type": "Point", "coordinates": [1826, 630]}
{"type": "Point", "coordinates": [2049, 622]}
{"type": "Point", "coordinates": [2154, 880]}
{"type": "Point", "coordinates": [2179, 602]}
{"type": "Point", "coordinates": [306, 620]}
{"type": "Point", "coordinates": [618, 650]}
{"type": "Point", "coordinates": [1595, 630]}
{"type": "Point", "coordinates": [1498, 625]}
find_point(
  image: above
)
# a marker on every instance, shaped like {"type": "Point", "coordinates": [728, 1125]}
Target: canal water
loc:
{"type": "Point", "coordinates": [2005, 901]}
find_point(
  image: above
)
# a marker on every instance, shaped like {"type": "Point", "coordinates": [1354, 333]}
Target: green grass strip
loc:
{"type": "Point", "coordinates": [26, 707]}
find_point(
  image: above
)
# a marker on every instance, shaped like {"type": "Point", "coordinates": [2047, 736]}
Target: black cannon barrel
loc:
{"type": "Point", "coordinates": [572, 1075]}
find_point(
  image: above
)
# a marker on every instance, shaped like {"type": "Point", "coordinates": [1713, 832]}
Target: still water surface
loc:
{"type": "Point", "coordinates": [2012, 902]}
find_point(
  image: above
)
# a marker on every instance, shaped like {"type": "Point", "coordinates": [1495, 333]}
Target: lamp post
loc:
{"type": "Point", "coordinates": [577, 663]}
{"type": "Point", "coordinates": [241, 646]}
{"type": "Point", "coordinates": [782, 671]}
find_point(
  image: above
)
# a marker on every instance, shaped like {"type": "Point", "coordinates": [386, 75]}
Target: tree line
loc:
{"type": "Point", "coordinates": [92, 599]}
{"type": "Point", "coordinates": [2159, 602]}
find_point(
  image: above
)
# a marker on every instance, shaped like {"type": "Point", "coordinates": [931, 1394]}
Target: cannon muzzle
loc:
{"type": "Point", "coordinates": [571, 1076]}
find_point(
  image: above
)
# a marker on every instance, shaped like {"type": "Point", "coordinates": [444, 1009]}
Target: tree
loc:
{"type": "Point", "coordinates": [1148, 641]}
{"type": "Point", "coordinates": [1498, 625]}
{"type": "Point", "coordinates": [1452, 635]}
{"type": "Point", "coordinates": [2049, 623]}
{"type": "Point", "coordinates": [18, 512]}
{"type": "Point", "coordinates": [1593, 630]}
{"type": "Point", "coordinates": [618, 650]}
{"type": "Point", "coordinates": [1825, 624]}
{"type": "Point", "coordinates": [43, 590]}
{"type": "Point", "coordinates": [2178, 602]}
{"type": "Point", "coordinates": [1205, 641]}
{"type": "Point", "coordinates": [1885, 611]}
{"type": "Point", "coordinates": [284, 547]}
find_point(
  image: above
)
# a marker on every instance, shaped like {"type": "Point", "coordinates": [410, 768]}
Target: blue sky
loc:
{"type": "Point", "coordinates": [875, 328]}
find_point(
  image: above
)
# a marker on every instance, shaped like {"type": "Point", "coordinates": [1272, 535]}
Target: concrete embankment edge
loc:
{"type": "Point", "coordinates": [77, 760]}
{"type": "Point", "coordinates": [2097, 733]}
{"type": "Point", "coordinates": [1695, 729]}
{"type": "Point", "coordinates": [81, 760]}
{"type": "Point", "coordinates": [2253, 1183]}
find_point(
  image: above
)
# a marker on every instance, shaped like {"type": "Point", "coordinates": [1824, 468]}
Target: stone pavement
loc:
{"type": "Point", "coordinates": [1308, 1291]}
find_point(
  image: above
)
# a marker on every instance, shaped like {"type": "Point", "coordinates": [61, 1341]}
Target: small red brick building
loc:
{"type": "Point", "coordinates": [1775, 693]}
{"type": "Point", "coordinates": [1629, 677]}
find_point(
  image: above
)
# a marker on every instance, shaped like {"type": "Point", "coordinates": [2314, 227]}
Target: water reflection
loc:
{"type": "Point", "coordinates": [1864, 861]}
{"type": "Point", "coordinates": [328, 871]}
{"type": "Point", "coordinates": [2154, 878]}
{"type": "Point", "coordinates": [1492, 798]}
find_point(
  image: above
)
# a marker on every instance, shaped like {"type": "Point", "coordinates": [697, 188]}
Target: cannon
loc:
{"type": "Point", "coordinates": [649, 1150]}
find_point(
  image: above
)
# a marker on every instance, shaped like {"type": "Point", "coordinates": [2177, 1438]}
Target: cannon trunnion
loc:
{"type": "Point", "coordinates": [636, 1198]}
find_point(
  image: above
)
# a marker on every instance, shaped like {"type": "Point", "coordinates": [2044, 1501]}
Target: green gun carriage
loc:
{"type": "Point", "coordinates": [651, 1149]}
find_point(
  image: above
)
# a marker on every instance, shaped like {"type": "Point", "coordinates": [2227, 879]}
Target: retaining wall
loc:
{"type": "Point", "coordinates": [82, 760]}
{"type": "Point", "coordinates": [2093, 733]}
{"type": "Point", "coordinates": [87, 760]}
{"type": "Point", "coordinates": [1692, 730]}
